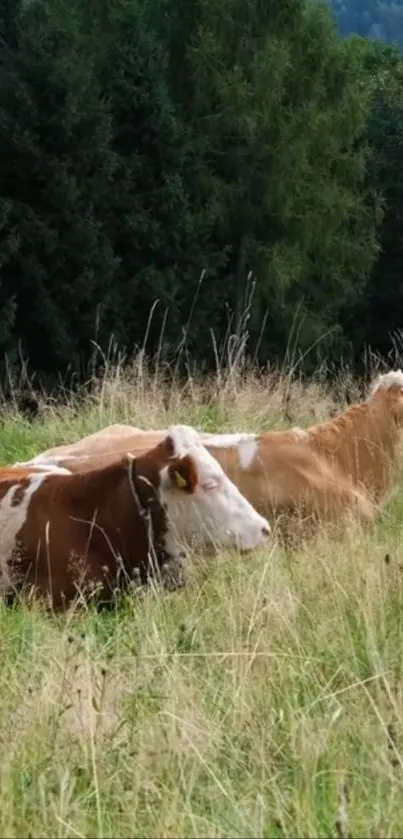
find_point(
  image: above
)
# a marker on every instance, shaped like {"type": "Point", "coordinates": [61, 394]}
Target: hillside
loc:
{"type": "Point", "coordinates": [262, 700]}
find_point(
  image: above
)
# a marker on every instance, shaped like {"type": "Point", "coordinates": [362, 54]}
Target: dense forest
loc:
{"type": "Point", "coordinates": [184, 172]}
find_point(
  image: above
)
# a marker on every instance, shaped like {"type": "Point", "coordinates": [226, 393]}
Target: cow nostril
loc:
{"type": "Point", "coordinates": [266, 530]}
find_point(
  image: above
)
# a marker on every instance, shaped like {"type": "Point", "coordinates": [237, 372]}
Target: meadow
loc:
{"type": "Point", "coordinates": [262, 700]}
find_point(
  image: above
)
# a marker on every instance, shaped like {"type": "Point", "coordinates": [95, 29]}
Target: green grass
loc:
{"type": "Point", "coordinates": [263, 700]}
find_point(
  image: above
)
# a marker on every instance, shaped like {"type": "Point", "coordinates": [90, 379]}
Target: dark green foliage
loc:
{"type": "Point", "coordinates": [380, 312]}
{"type": "Point", "coordinates": [158, 234]}
{"type": "Point", "coordinates": [279, 103]}
{"type": "Point", "coordinates": [55, 169]}
{"type": "Point", "coordinates": [146, 143]}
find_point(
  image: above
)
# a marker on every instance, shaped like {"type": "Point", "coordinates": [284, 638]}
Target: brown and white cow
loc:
{"type": "Point", "coordinates": [277, 476]}
{"type": "Point", "coordinates": [59, 530]}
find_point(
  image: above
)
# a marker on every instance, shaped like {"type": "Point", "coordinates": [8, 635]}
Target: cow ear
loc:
{"type": "Point", "coordinates": [183, 474]}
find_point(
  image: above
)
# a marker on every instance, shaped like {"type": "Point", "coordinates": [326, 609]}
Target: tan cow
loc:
{"type": "Point", "coordinates": [278, 476]}
{"type": "Point", "coordinates": [348, 463]}
{"type": "Point", "coordinates": [364, 442]}
{"type": "Point", "coordinates": [61, 531]}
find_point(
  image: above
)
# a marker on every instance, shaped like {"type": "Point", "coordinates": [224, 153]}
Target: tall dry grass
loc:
{"type": "Point", "coordinates": [264, 699]}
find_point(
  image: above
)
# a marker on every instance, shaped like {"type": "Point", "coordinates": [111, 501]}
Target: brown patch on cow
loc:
{"type": "Point", "coordinates": [18, 473]}
{"type": "Point", "coordinates": [107, 447]}
{"type": "Point", "coordinates": [93, 533]}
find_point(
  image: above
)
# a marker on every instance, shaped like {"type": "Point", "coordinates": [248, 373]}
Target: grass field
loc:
{"type": "Point", "coordinates": [263, 700]}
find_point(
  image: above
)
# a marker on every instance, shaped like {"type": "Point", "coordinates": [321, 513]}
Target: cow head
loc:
{"type": "Point", "coordinates": [202, 502]}
{"type": "Point", "coordinates": [388, 389]}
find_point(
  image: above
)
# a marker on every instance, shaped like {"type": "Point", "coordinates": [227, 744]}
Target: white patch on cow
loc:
{"type": "Point", "coordinates": [227, 441]}
{"type": "Point", "coordinates": [44, 465]}
{"type": "Point", "coordinates": [247, 453]}
{"type": "Point", "coordinates": [245, 444]}
{"type": "Point", "coordinates": [12, 519]}
{"type": "Point", "coordinates": [50, 461]}
{"type": "Point", "coordinates": [300, 433]}
{"type": "Point", "coordinates": [184, 439]}
{"type": "Point", "coordinates": [216, 514]}
{"type": "Point", "coordinates": [387, 380]}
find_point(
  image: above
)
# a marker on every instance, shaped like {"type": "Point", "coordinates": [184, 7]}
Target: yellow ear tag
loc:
{"type": "Point", "coordinates": [180, 480]}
